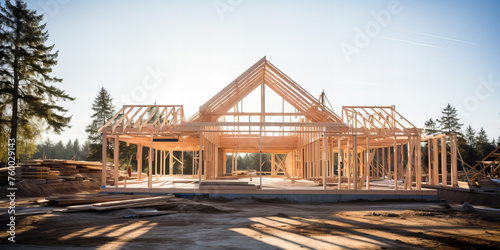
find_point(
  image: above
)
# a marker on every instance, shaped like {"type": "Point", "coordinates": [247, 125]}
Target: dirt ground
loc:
{"type": "Point", "coordinates": [250, 224]}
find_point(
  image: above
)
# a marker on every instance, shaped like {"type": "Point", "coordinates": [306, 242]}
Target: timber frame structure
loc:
{"type": "Point", "coordinates": [306, 139]}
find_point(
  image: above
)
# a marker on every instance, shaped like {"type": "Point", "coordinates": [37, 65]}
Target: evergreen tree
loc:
{"type": "Point", "coordinates": [103, 110]}
{"type": "Point", "coordinates": [449, 122]}
{"type": "Point", "coordinates": [482, 143]}
{"type": "Point", "coordinates": [44, 150]}
{"type": "Point", "coordinates": [69, 153]}
{"type": "Point", "coordinates": [470, 136]}
{"type": "Point", "coordinates": [430, 127]}
{"type": "Point", "coordinates": [85, 150]}
{"type": "Point", "coordinates": [482, 137]}
{"type": "Point", "coordinates": [78, 150]}
{"type": "Point", "coordinates": [467, 146]}
{"type": "Point", "coordinates": [59, 150]}
{"type": "Point", "coordinates": [26, 93]}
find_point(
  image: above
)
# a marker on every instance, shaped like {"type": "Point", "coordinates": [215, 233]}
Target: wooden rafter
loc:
{"type": "Point", "coordinates": [145, 117]}
{"type": "Point", "coordinates": [378, 119]}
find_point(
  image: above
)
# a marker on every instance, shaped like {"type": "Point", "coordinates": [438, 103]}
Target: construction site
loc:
{"type": "Point", "coordinates": [361, 177]}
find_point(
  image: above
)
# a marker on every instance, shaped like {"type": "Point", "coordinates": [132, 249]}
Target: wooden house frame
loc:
{"type": "Point", "coordinates": [307, 141]}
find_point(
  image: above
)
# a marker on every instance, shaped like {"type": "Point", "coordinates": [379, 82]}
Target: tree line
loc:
{"type": "Point", "coordinates": [71, 150]}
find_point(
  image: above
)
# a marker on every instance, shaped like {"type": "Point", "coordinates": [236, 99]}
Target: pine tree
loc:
{"type": "Point", "coordinates": [470, 136]}
{"type": "Point", "coordinates": [25, 65]}
{"type": "Point", "coordinates": [449, 122]}
{"type": "Point", "coordinates": [59, 150]}
{"type": "Point", "coordinates": [482, 143]}
{"type": "Point", "coordinates": [69, 153]}
{"type": "Point", "coordinates": [45, 149]}
{"type": "Point", "coordinates": [430, 127]}
{"type": "Point", "coordinates": [78, 150]}
{"type": "Point", "coordinates": [482, 137]}
{"type": "Point", "coordinates": [85, 150]}
{"type": "Point", "coordinates": [103, 110]}
{"type": "Point", "coordinates": [467, 146]}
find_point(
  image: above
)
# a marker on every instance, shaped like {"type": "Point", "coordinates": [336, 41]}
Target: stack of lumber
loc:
{"type": "Point", "coordinates": [56, 170]}
{"type": "Point", "coordinates": [35, 173]}
{"type": "Point", "coordinates": [213, 185]}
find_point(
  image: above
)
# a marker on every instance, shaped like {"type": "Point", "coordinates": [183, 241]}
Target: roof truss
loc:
{"type": "Point", "coordinates": [263, 72]}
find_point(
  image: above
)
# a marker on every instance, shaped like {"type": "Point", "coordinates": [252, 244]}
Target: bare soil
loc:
{"type": "Point", "coordinates": [250, 224]}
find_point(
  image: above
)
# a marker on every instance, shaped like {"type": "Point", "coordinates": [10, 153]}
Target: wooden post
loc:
{"type": "Point", "coordinates": [216, 161]}
{"type": "Point", "coordinates": [355, 161]}
{"type": "Point", "coordinates": [401, 168]}
{"type": "Point", "coordinates": [260, 161]}
{"type": "Point", "coordinates": [171, 162]}
{"type": "Point", "coordinates": [150, 168]}
{"type": "Point", "coordinates": [262, 119]}
{"type": "Point", "coordinates": [273, 170]}
{"type": "Point", "coordinates": [200, 159]}
{"type": "Point", "coordinates": [453, 151]}
{"type": "Point", "coordinates": [389, 165]}
{"type": "Point", "coordinates": [430, 162]}
{"type": "Point", "coordinates": [383, 163]}
{"type": "Point", "coordinates": [444, 170]}
{"type": "Point", "coordinates": [139, 162]}
{"type": "Point", "coordinates": [361, 168]}
{"type": "Point", "coordinates": [409, 164]}
{"type": "Point", "coordinates": [235, 165]}
{"type": "Point", "coordinates": [349, 165]}
{"type": "Point", "coordinates": [182, 162]}
{"type": "Point", "coordinates": [435, 162]}
{"type": "Point", "coordinates": [193, 173]}
{"type": "Point", "coordinates": [317, 156]}
{"type": "Point", "coordinates": [156, 164]}
{"type": "Point", "coordinates": [104, 159]}
{"type": "Point", "coordinates": [116, 160]}
{"type": "Point", "coordinates": [339, 158]}
{"type": "Point", "coordinates": [325, 161]}
{"type": "Point", "coordinates": [367, 163]}
{"type": "Point", "coordinates": [162, 163]}
{"type": "Point", "coordinates": [395, 163]}
{"type": "Point", "coordinates": [376, 166]}
{"type": "Point", "coordinates": [418, 163]}
{"type": "Point", "coordinates": [224, 162]}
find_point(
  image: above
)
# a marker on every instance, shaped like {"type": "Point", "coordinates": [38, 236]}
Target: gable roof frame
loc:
{"type": "Point", "coordinates": [263, 72]}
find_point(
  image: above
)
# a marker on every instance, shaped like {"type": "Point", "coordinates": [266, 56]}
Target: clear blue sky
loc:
{"type": "Point", "coordinates": [417, 55]}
